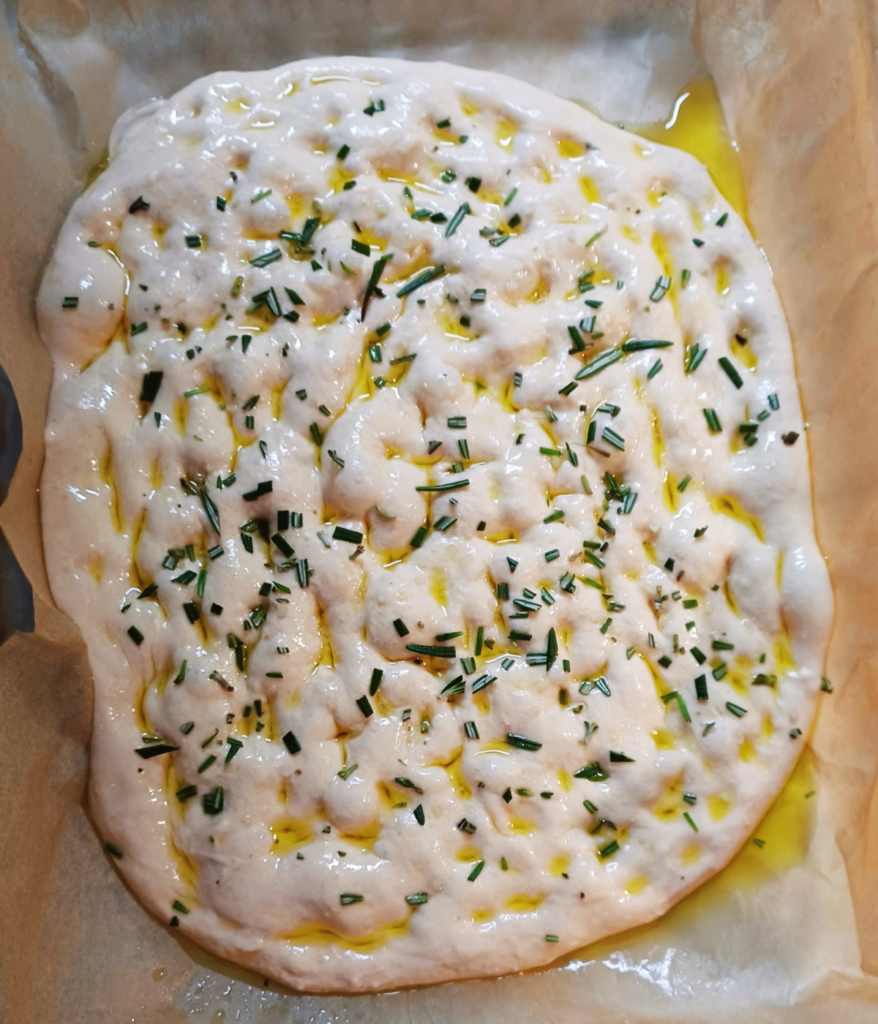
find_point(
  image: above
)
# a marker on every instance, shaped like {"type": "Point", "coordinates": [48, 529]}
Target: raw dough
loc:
{"type": "Point", "coordinates": [484, 617]}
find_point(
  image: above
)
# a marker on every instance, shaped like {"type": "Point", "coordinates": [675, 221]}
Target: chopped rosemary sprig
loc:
{"type": "Point", "coordinates": [351, 536]}
{"type": "Point", "coordinates": [660, 289]}
{"type": "Point", "coordinates": [731, 372]}
{"type": "Point", "coordinates": [266, 258]}
{"type": "Point", "coordinates": [455, 686]}
{"type": "Point", "coordinates": [264, 487]}
{"type": "Point", "coordinates": [476, 871]}
{"type": "Point", "coordinates": [613, 438]}
{"type": "Point", "coordinates": [483, 682]}
{"type": "Point", "coordinates": [601, 362]}
{"type": "Point", "coordinates": [713, 423]}
{"type": "Point", "coordinates": [432, 650]}
{"type": "Point", "coordinates": [291, 743]}
{"type": "Point", "coordinates": [430, 274]}
{"type": "Point", "coordinates": [515, 739]}
{"type": "Point", "coordinates": [457, 219]}
{"type": "Point", "coordinates": [452, 485]}
{"type": "Point", "coordinates": [154, 750]}
{"type": "Point", "coordinates": [152, 381]}
{"type": "Point", "coordinates": [681, 704]}
{"type": "Point", "coordinates": [372, 286]}
{"type": "Point", "coordinates": [212, 802]}
{"type": "Point", "coordinates": [640, 345]}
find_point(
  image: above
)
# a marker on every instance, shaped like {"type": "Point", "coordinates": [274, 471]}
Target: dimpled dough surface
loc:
{"type": "Point", "coordinates": [395, 477]}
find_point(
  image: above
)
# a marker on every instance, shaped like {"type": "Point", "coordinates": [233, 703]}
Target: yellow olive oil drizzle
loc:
{"type": "Point", "coordinates": [778, 843]}
{"type": "Point", "coordinates": [698, 125]}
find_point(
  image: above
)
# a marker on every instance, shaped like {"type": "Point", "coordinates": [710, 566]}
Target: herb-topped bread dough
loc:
{"type": "Point", "coordinates": [420, 472]}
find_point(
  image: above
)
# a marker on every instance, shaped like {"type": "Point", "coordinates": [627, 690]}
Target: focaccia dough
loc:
{"type": "Point", "coordinates": [421, 474]}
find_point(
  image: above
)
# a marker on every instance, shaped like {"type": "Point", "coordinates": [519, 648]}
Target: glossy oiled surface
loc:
{"type": "Point", "coordinates": [630, 680]}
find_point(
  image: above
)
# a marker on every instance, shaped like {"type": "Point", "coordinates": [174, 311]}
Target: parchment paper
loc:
{"type": "Point", "coordinates": [791, 937]}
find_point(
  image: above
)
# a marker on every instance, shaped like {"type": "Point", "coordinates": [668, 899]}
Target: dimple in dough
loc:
{"type": "Point", "coordinates": [418, 470]}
